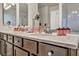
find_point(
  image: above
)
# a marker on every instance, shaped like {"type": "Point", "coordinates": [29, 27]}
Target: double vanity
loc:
{"type": "Point", "coordinates": [28, 18]}
{"type": "Point", "coordinates": [13, 43]}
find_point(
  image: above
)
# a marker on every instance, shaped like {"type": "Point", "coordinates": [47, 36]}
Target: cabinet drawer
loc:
{"type": "Point", "coordinates": [19, 52]}
{"type": "Point", "coordinates": [18, 41]}
{"type": "Point", "coordinates": [30, 46]}
{"type": "Point", "coordinates": [5, 37]}
{"type": "Point", "coordinates": [46, 50]}
{"type": "Point", "coordinates": [10, 38]}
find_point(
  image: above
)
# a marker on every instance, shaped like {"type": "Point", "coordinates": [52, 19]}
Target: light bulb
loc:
{"type": "Point", "coordinates": [75, 12]}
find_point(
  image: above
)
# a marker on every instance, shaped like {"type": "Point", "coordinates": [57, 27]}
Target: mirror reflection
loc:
{"type": "Point", "coordinates": [71, 16]}
{"type": "Point", "coordinates": [49, 14]}
{"type": "Point", "coordinates": [9, 14]}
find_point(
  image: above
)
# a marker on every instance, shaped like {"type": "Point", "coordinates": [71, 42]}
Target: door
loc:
{"type": "Point", "coordinates": [30, 46]}
{"type": "Point", "coordinates": [19, 52]}
{"type": "Point", "coordinates": [18, 41]}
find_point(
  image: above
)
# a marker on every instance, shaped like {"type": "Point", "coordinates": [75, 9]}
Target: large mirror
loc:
{"type": "Point", "coordinates": [9, 14]}
{"type": "Point", "coordinates": [15, 14]}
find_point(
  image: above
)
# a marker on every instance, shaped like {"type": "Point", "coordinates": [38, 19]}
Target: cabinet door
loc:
{"type": "Point", "coordinates": [18, 41]}
{"type": "Point", "coordinates": [30, 46]}
{"type": "Point", "coordinates": [19, 52]}
{"type": "Point", "coordinates": [10, 38]}
{"type": "Point", "coordinates": [9, 49]}
{"type": "Point", "coordinates": [3, 51]}
{"type": "Point", "coordinates": [50, 50]}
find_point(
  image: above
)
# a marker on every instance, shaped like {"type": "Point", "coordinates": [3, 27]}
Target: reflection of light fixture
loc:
{"type": "Point", "coordinates": [74, 12]}
{"type": "Point", "coordinates": [8, 5]}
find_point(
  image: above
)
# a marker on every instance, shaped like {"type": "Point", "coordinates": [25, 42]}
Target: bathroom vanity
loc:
{"type": "Point", "coordinates": [14, 43]}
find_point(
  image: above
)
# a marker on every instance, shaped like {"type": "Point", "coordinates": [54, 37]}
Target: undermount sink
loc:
{"type": "Point", "coordinates": [42, 34]}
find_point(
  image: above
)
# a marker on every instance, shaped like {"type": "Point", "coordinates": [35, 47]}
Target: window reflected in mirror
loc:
{"type": "Point", "coordinates": [9, 14]}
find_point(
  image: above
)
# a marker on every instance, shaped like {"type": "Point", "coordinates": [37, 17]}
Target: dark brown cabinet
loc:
{"type": "Point", "coordinates": [9, 49]}
{"type": "Point", "coordinates": [19, 52]}
{"type": "Point", "coordinates": [16, 46]}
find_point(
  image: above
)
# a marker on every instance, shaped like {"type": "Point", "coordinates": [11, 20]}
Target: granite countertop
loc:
{"type": "Point", "coordinates": [69, 41]}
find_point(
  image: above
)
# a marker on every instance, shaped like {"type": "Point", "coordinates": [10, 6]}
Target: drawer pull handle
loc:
{"type": "Point", "coordinates": [50, 53]}
{"type": "Point", "coordinates": [18, 41]}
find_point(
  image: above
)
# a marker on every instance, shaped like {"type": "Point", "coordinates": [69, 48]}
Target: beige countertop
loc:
{"type": "Point", "coordinates": [69, 41]}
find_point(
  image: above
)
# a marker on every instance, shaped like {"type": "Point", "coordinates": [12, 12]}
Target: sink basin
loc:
{"type": "Point", "coordinates": [41, 34]}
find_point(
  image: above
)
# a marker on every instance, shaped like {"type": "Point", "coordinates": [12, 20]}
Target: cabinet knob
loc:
{"type": "Point", "coordinates": [50, 53]}
{"type": "Point", "coordinates": [18, 41]}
